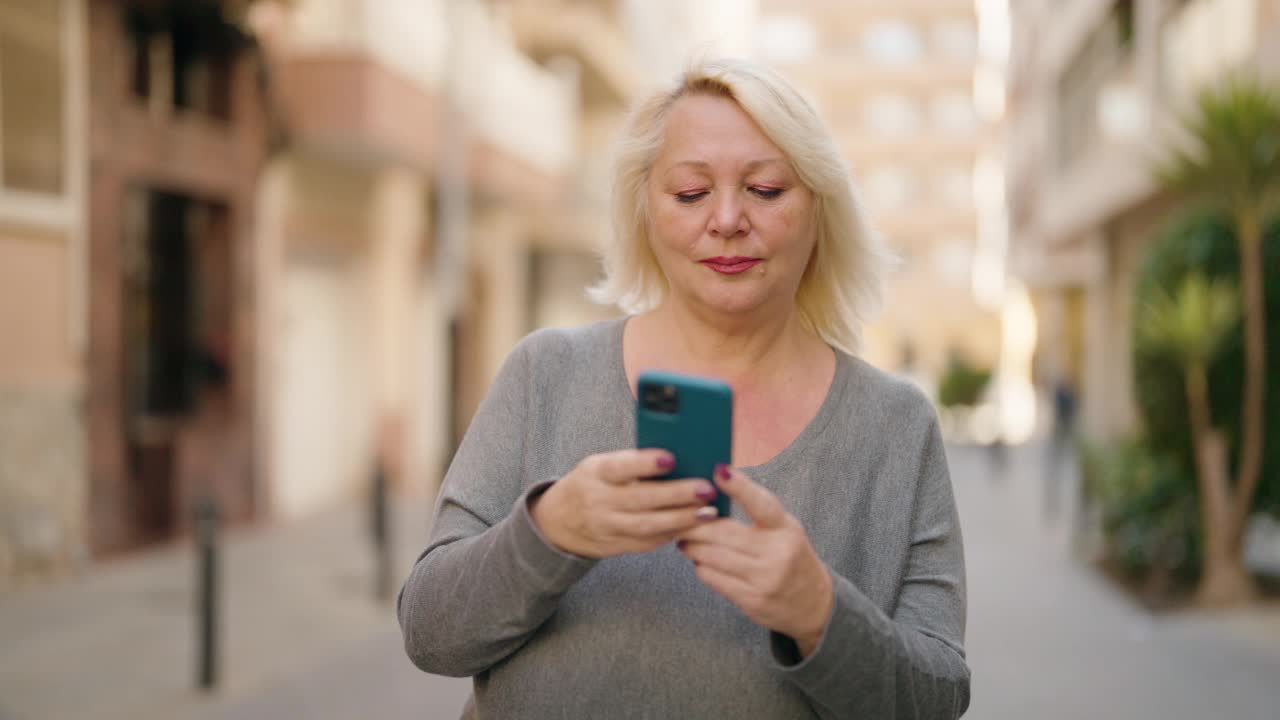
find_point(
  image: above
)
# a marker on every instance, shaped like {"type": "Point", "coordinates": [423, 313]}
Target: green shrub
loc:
{"type": "Point", "coordinates": [1204, 241]}
{"type": "Point", "coordinates": [1149, 509]}
{"type": "Point", "coordinates": [962, 384]}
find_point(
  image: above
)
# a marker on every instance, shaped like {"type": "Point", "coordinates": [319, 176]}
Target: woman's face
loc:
{"type": "Point", "coordinates": [730, 222]}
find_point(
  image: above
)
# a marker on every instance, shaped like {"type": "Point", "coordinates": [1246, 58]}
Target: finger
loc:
{"type": "Point", "coordinates": [648, 495]}
{"type": "Point", "coordinates": [624, 466]}
{"type": "Point", "coordinates": [728, 533]}
{"type": "Point", "coordinates": [719, 557]}
{"type": "Point", "coordinates": [761, 506]}
{"type": "Point", "coordinates": [663, 524]}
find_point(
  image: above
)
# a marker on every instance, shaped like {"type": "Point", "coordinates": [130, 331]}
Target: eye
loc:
{"type": "Point", "coordinates": [689, 198]}
{"type": "Point", "coordinates": [766, 193]}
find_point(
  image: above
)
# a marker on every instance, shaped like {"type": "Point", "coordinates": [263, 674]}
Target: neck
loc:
{"type": "Point", "coordinates": [737, 348]}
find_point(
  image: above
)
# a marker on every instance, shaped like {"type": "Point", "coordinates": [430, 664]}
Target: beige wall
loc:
{"type": "Point", "coordinates": [427, 425]}
{"type": "Point", "coordinates": [356, 341]}
{"type": "Point", "coordinates": [500, 254]}
{"type": "Point", "coordinates": [34, 314]}
{"type": "Point", "coordinates": [43, 477]}
{"type": "Point", "coordinates": [322, 336]}
{"type": "Point", "coordinates": [1109, 344]}
{"type": "Point", "coordinates": [396, 229]}
{"type": "Point", "coordinates": [42, 484]}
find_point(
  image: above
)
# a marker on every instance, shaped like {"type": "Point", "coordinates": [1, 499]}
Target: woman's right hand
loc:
{"type": "Point", "coordinates": [606, 506]}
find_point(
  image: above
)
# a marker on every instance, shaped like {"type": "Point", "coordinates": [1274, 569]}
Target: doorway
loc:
{"type": "Point", "coordinates": [177, 349]}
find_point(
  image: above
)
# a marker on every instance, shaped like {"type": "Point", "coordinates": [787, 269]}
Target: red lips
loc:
{"type": "Point", "coordinates": [731, 265]}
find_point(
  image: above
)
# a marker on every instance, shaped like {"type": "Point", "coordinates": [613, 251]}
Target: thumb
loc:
{"type": "Point", "coordinates": [761, 506]}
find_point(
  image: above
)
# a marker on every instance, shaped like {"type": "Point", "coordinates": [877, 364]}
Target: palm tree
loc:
{"type": "Point", "coordinates": [1232, 159]}
{"type": "Point", "coordinates": [1192, 325]}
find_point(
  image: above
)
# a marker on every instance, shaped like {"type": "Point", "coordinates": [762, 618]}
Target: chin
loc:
{"type": "Point", "coordinates": [736, 302]}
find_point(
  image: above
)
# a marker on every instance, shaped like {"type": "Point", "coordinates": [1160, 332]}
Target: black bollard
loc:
{"type": "Point", "coordinates": [205, 513]}
{"type": "Point", "coordinates": [381, 529]}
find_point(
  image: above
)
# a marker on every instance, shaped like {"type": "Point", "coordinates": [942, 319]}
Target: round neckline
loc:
{"type": "Point", "coordinates": [813, 428]}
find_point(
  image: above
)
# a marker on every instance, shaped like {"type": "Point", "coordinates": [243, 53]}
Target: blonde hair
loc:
{"type": "Point", "coordinates": [843, 284]}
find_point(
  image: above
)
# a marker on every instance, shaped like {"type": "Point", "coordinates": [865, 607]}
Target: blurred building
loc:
{"type": "Point", "coordinates": [43, 281]}
{"type": "Point", "coordinates": [176, 135]}
{"type": "Point", "coordinates": [253, 249]}
{"type": "Point", "coordinates": [419, 147]}
{"type": "Point", "coordinates": [895, 81]}
{"type": "Point", "coordinates": [133, 133]}
{"type": "Point", "coordinates": [1095, 89]}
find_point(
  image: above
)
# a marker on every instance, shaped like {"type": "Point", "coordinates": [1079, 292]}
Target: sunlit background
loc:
{"type": "Point", "coordinates": [266, 255]}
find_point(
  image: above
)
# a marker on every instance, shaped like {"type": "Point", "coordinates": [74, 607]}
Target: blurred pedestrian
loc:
{"type": "Point", "coordinates": [571, 585]}
{"type": "Point", "coordinates": [1060, 444]}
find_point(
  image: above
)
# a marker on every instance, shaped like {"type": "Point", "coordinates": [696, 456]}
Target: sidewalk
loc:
{"type": "Point", "coordinates": [120, 642]}
{"type": "Point", "coordinates": [1048, 638]}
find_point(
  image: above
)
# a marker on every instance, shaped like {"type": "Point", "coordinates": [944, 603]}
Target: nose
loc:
{"type": "Point", "coordinates": [729, 219]}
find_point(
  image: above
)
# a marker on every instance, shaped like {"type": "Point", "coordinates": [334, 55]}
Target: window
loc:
{"type": "Point", "coordinates": [891, 42]}
{"type": "Point", "coordinates": [32, 67]}
{"type": "Point", "coordinates": [892, 115]}
{"type": "Point", "coordinates": [184, 53]}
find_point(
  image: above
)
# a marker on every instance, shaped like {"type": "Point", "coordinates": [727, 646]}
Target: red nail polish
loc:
{"type": "Point", "coordinates": [707, 494]}
{"type": "Point", "coordinates": [722, 473]}
{"type": "Point", "coordinates": [681, 545]}
{"type": "Point", "coordinates": [666, 462]}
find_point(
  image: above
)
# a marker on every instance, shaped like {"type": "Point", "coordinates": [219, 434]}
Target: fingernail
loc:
{"type": "Point", "coordinates": [707, 494]}
{"type": "Point", "coordinates": [666, 462]}
{"type": "Point", "coordinates": [722, 473]}
{"type": "Point", "coordinates": [708, 512]}
{"type": "Point", "coordinates": [681, 545]}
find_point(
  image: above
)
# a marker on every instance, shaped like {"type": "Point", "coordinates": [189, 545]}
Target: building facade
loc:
{"type": "Point", "coordinates": [133, 135]}
{"type": "Point", "coordinates": [895, 81]}
{"type": "Point", "coordinates": [411, 237]}
{"type": "Point", "coordinates": [176, 138]}
{"type": "Point", "coordinates": [1095, 91]}
{"type": "Point", "coordinates": [256, 250]}
{"type": "Point", "coordinates": [43, 264]}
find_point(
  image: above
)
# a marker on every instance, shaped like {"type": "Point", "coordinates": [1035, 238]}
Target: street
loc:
{"type": "Point", "coordinates": [1048, 637]}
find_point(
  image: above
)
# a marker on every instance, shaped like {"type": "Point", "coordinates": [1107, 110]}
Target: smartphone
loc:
{"type": "Point", "coordinates": [691, 417]}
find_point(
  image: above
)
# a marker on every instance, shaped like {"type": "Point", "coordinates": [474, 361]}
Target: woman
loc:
{"type": "Point", "coordinates": [569, 585]}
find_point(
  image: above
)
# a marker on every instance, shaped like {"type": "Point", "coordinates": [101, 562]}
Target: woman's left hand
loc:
{"type": "Point", "coordinates": [768, 569]}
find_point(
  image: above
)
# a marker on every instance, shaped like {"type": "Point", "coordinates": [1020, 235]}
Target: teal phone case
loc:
{"type": "Point", "coordinates": [699, 432]}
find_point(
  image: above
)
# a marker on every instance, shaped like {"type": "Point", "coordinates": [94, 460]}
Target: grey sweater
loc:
{"type": "Point", "coordinates": [551, 635]}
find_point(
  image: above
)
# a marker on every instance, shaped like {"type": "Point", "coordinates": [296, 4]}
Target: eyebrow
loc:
{"type": "Point", "coordinates": [754, 164]}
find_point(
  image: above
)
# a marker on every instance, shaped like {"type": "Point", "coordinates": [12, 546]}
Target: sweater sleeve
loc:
{"type": "Point", "coordinates": [487, 579]}
{"type": "Point", "coordinates": [910, 664]}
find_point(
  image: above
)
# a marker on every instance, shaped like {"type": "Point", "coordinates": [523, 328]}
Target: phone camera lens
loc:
{"type": "Point", "coordinates": [670, 400]}
{"type": "Point", "coordinates": [660, 398]}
